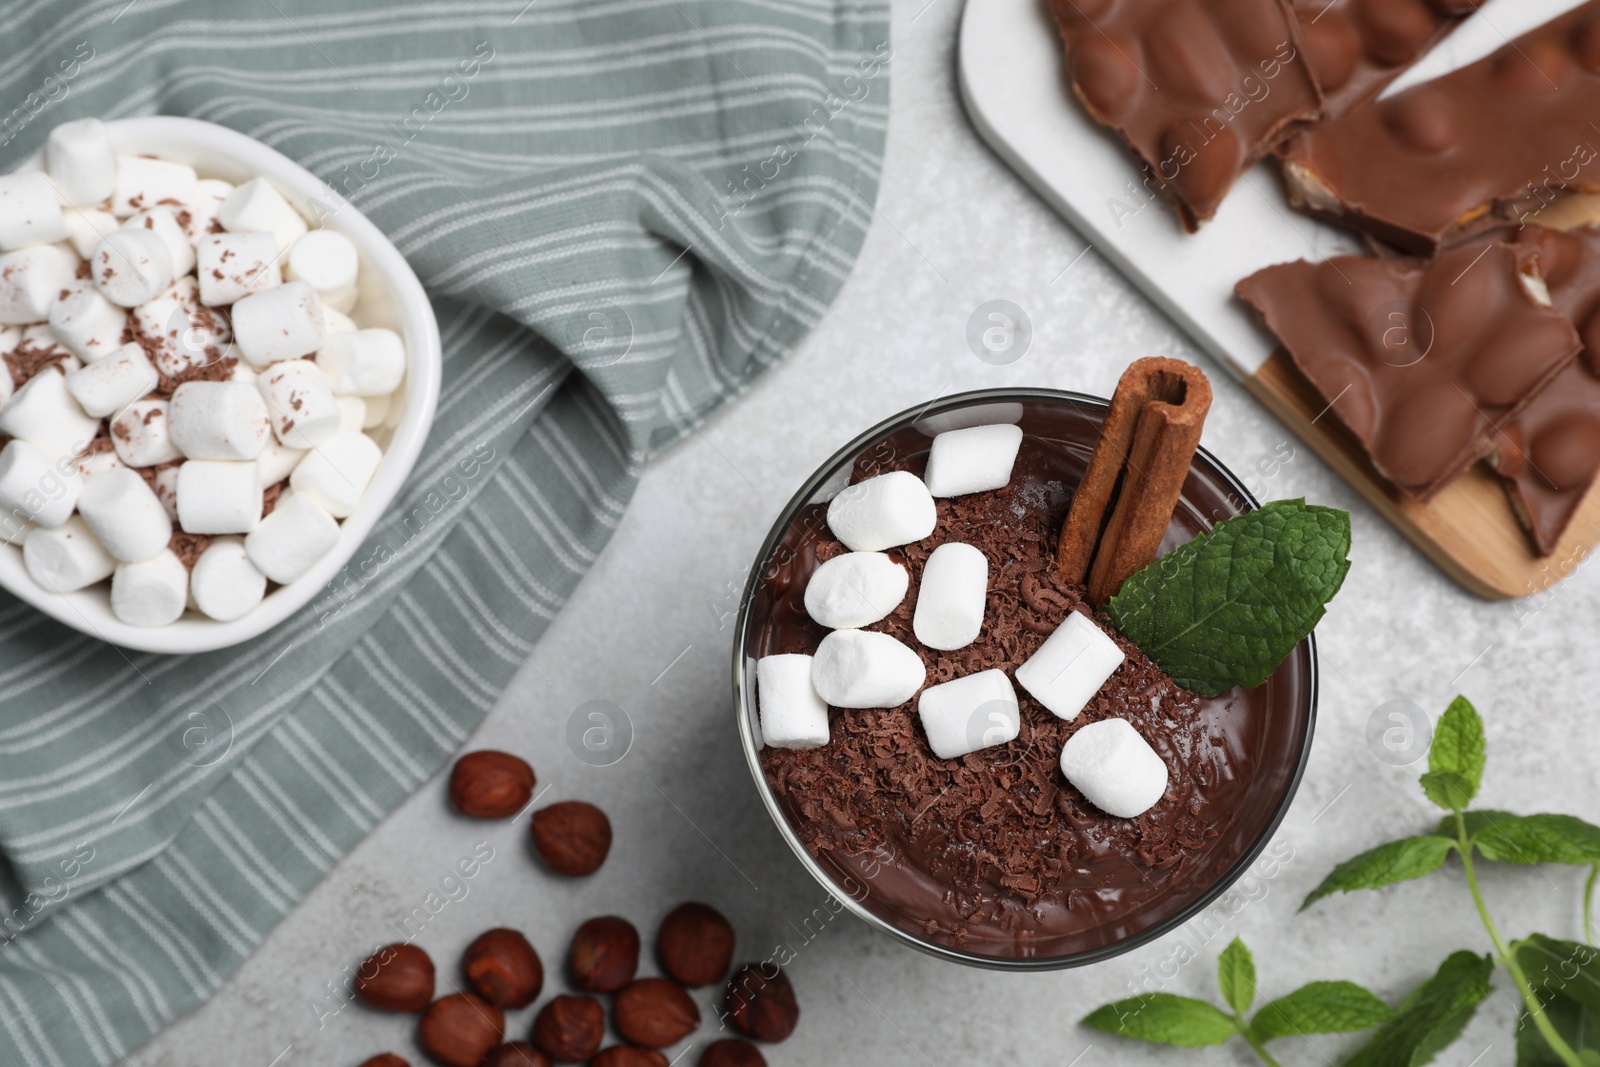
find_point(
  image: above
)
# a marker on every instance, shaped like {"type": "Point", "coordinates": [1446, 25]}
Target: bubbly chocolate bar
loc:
{"type": "Point", "coordinates": [1423, 360]}
{"type": "Point", "coordinates": [1356, 47]}
{"type": "Point", "coordinates": [1549, 454]}
{"type": "Point", "coordinates": [1474, 150]}
{"type": "Point", "coordinates": [1199, 89]}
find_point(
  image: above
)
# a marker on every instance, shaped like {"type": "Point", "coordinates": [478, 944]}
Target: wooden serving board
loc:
{"type": "Point", "coordinates": [1014, 85]}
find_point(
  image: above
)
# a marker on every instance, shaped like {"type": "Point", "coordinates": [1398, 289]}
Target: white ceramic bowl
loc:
{"type": "Point", "coordinates": [391, 296]}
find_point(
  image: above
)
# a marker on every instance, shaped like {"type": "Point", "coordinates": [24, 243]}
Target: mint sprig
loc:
{"type": "Point", "coordinates": [1224, 609]}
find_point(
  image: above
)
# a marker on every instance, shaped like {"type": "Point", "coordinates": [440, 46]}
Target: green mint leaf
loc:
{"type": "Point", "coordinates": [1397, 861]}
{"type": "Point", "coordinates": [1164, 1019]}
{"type": "Point", "coordinates": [1225, 609]}
{"type": "Point", "coordinates": [1538, 839]}
{"type": "Point", "coordinates": [1432, 1016]}
{"type": "Point", "coordinates": [1449, 790]}
{"type": "Point", "coordinates": [1578, 1025]}
{"type": "Point", "coordinates": [1236, 976]}
{"type": "Point", "coordinates": [1565, 969]}
{"type": "Point", "coordinates": [1320, 1008]}
{"type": "Point", "coordinates": [1458, 747]}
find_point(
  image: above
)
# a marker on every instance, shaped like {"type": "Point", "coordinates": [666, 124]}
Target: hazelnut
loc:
{"type": "Point", "coordinates": [386, 1059]}
{"type": "Point", "coordinates": [695, 945]}
{"type": "Point", "coordinates": [604, 954]}
{"type": "Point", "coordinates": [731, 1052]}
{"type": "Point", "coordinates": [491, 785]}
{"type": "Point", "coordinates": [569, 1029]}
{"type": "Point", "coordinates": [572, 837]}
{"type": "Point", "coordinates": [515, 1054]}
{"type": "Point", "coordinates": [459, 1030]}
{"type": "Point", "coordinates": [397, 977]}
{"type": "Point", "coordinates": [503, 968]}
{"type": "Point", "coordinates": [762, 1005]}
{"type": "Point", "coordinates": [629, 1056]}
{"type": "Point", "coordinates": [654, 1012]}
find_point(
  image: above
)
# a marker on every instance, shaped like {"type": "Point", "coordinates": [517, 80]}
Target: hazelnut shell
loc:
{"type": "Point", "coordinates": [460, 1029]}
{"type": "Point", "coordinates": [654, 1012]}
{"type": "Point", "coordinates": [604, 955]}
{"type": "Point", "coordinates": [491, 785]}
{"type": "Point", "coordinates": [572, 837]}
{"type": "Point", "coordinates": [397, 977]}
{"type": "Point", "coordinates": [695, 945]}
{"type": "Point", "coordinates": [503, 968]}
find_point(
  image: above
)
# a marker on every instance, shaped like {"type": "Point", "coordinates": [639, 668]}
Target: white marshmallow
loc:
{"type": "Point", "coordinates": [377, 411]}
{"type": "Point", "coordinates": [125, 515]}
{"type": "Point", "coordinates": [289, 541]}
{"type": "Point", "coordinates": [337, 321]}
{"type": "Point", "coordinates": [130, 267]}
{"type": "Point", "coordinates": [162, 220]}
{"type": "Point", "coordinates": [365, 363]}
{"type": "Point", "coordinates": [1071, 666]}
{"type": "Point", "coordinates": [224, 583]}
{"type": "Point", "coordinates": [89, 464]}
{"type": "Point", "coordinates": [41, 338]}
{"type": "Point", "coordinates": [10, 338]}
{"type": "Point", "coordinates": [279, 324]}
{"type": "Point", "coordinates": [951, 597]}
{"type": "Point", "coordinates": [216, 497]}
{"type": "Point", "coordinates": [792, 714]}
{"type": "Point", "coordinates": [862, 669]}
{"type": "Point", "coordinates": [44, 414]}
{"type": "Point", "coordinates": [167, 490]}
{"type": "Point", "coordinates": [114, 382]}
{"type": "Point", "coordinates": [14, 528]}
{"type": "Point", "coordinates": [855, 590]}
{"type": "Point", "coordinates": [81, 162]}
{"type": "Point", "coordinates": [66, 558]}
{"type": "Point", "coordinates": [352, 412]}
{"type": "Point", "coordinates": [151, 593]}
{"type": "Point", "coordinates": [86, 226]}
{"type": "Point", "coordinates": [1114, 768]}
{"type": "Point", "coordinates": [231, 266]}
{"type": "Point", "coordinates": [277, 461]}
{"type": "Point", "coordinates": [31, 279]}
{"type": "Point", "coordinates": [243, 372]}
{"type": "Point", "coordinates": [189, 334]}
{"type": "Point", "coordinates": [86, 323]}
{"type": "Point", "coordinates": [327, 261]}
{"type": "Point", "coordinates": [209, 193]}
{"type": "Point", "coordinates": [30, 213]}
{"type": "Point", "coordinates": [973, 460]}
{"type": "Point", "coordinates": [882, 512]}
{"type": "Point", "coordinates": [303, 409]}
{"type": "Point", "coordinates": [143, 182]}
{"type": "Point", "coordinates": [218, 420]}
{"type": "Point", "coordinates": [336, 472]}
{"type": "Point", "coordinates": [33, 485]}
{"type": "Point", "coordinates": [977, 711]}
{"type": "Point", "coordinates": [257, 207]}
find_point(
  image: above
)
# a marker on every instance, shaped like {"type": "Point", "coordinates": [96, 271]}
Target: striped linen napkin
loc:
{"type": "Point", "coordinates": [624, 211]}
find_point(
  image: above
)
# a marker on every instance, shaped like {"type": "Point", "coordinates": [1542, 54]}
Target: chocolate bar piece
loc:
{"type": "Point", "coordinates": [1468, 152]}
{"type": "Point", "coordinates": [1423, 360]}
{"type": "Point", "coordinates": [1549, 454]}
{"type": "Point", "coordinates": [1356, 47]}
{"type": "Point", "coordinates": [1199, 89]}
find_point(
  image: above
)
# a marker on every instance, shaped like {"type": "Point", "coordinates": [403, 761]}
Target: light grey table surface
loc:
{"type": "Point", "coordinates": [650, 630]}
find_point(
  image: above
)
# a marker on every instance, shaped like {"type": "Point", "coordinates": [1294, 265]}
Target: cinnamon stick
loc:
{"type": "Point", "coordinates": [1135, 474]}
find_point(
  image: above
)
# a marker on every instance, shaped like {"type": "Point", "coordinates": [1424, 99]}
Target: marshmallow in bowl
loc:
{"type": "Point", "coordinates": [209, 193]}
{"type": "Point", "coordinates": [140, 434]}
{"type": "Point", "coordinates": [974, 460]}
{"type": "Point", "coordinates": [300, 405]}
{"type": "Point", "coordinates": [882, 512]}
{"type": "Point", "coordinates": [224, 583]}
{"type": "Point", "coordinates": [131, 267]}
{"type": "Point", "coordinates": [327, 261]}
{"type": "Point", "coordinates": [30, 278]}
{"type": "Point", "coordinates": [970, 713]}
{"type": "Point", "coordinates": [277, 461]}
{"type": "Point", "coordinates": [86, 226]}
{"type": "Point", "coordinates": [289, 541]}
{"type": "Point", "coordinates": [336, 472]}
{"type": "Point", "coordinates": [1071, 666]}
{"type": "Point", "coordinates": [855, 589]}
{"type": "Point", "coordinates": [33, 485]}
{"type": "Point", "coordinates": [792, 714]}
{"type": "Point", "coordinates": [218, 421]}
{"type": "Point", "coordinates": [89, 464]}
{"type": "Point", "coordinates": [363, 363]}
{"type": "Point", "coordinates": [284, 322]}
{"type": "Point", "coordinates": [1114, 767]}
{"type": "Point", "coordinates": [144, 182]}
{"type": "Point", "coordinates": [44, 414]}
{"type": "Point", "coordinates": [951, 597]}
{"type": "Point", "coordinates": [81, 162]}
{"type": "Point", "coordinates": [231, 266]}
{"type": "Point", "coordinates": [111, 384]}
{"type": "Point", "coordinates": [127, 519]}
{"type": "Point", "coordinates": [162, 220]}
{"type": "Point", "coordinates": [30, 214]}
{"type": "Point", "coordinates": [218, 497]}
{"type": "Point", "coordinates": [85, 322]}
{"type": "Point", "coordinates": [257, 207]}
{"type": "Point", "coordinates": [863, 669]}
{"type": "Point", "coordinates": [66, 558]}
{"type": "Point", "coordinates": [153, 592]}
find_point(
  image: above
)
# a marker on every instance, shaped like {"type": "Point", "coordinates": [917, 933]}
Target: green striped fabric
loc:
{"type": "Point", "coordinates": [625, 211]}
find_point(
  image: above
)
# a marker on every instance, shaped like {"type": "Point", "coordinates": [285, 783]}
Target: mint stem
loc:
{"type": "Point", "coordinates": [1546, 1028]}
{"type": "Point", "coordinates": [1260, 1050]}
{"type": "Point", "coordinates": [1588, 903]}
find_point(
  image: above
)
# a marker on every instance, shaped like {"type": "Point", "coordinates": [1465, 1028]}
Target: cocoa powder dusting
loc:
{"type": "Point", "coordinates": [188, 547]}
{"type": "Point", "coordinates": [28, 360]}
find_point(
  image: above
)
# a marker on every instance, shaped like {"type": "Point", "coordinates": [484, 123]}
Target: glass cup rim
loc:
{"type": "Point", "coordinates": [752, 752]}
